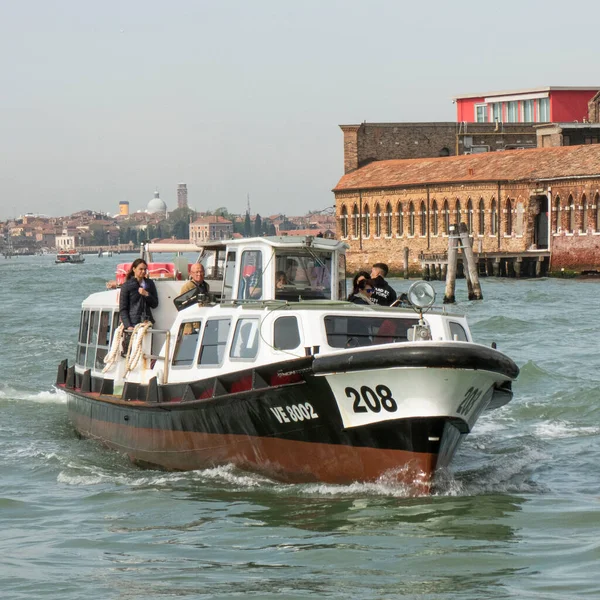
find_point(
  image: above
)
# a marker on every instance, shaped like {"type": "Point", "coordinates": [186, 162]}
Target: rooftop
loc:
{"type": "Point", "coordinates": [511, 165]}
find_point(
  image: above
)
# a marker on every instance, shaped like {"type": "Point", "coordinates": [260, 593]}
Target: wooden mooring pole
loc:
{"type": "Point", "coordinates": [460, 232]}
{"type": "Point", "coordinates": [471, 270]}
{"type": "Point", "coordinates": [451, 272]}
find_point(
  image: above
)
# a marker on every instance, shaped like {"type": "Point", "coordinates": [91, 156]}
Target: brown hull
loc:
{"type": "Point", "coordinates": [291, 461]}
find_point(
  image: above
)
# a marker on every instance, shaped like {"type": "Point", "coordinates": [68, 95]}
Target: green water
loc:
{"type": "Point", "coordinates": [518, 517]}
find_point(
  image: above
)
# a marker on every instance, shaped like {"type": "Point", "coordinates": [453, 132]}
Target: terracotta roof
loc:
{"type": "Point", "coordinates": [212, 219]}
{"type": "Point", "coordinates": [511, 165]}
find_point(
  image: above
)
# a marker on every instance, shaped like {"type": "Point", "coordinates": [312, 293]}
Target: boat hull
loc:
{"type": "Point", "coordinates": [304, 430]}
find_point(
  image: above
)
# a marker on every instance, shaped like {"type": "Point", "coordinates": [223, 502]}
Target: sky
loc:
{"type": "Point", "coordinates": [108, 101]}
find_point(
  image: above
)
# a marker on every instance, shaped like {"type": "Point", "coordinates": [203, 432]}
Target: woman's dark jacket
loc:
{"type": "Point", "coordinates": [133, 307]}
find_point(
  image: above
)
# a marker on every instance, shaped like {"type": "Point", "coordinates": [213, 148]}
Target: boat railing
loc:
{"type": "Point", "coordinates": [156, 344]}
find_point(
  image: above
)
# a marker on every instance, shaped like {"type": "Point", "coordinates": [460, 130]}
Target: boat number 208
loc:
{"type": "Point", "coordinates": [369, 400]}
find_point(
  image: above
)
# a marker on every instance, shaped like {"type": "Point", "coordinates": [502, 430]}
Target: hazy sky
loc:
{"type": "Point", "coordinates": [106, 101]}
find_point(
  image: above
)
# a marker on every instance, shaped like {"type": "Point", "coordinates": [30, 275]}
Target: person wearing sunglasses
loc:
{"type": "Point", "coordinates": [364, 292]}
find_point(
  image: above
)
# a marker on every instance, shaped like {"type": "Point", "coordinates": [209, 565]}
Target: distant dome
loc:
{"type": "Point", "coordinates": [156, 205]}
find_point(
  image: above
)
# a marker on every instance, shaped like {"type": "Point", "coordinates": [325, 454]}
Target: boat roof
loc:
{"type": "Point", "coordinates": [279, 241]}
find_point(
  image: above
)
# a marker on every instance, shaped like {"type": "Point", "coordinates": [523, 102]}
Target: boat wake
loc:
{"type": "Point", "coordinates": [45, 397]}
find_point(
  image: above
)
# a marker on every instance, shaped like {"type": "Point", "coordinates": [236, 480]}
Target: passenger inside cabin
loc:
{"type": "Point", "coordinates": [281, 280]}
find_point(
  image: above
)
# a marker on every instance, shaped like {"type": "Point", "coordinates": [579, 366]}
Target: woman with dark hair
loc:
{"type": "Point", "coordinates": [138, 296]}
{"type": "Point", "coordinates": [364, 293]}
{"type": "Point", "coordinates": [355, 281]}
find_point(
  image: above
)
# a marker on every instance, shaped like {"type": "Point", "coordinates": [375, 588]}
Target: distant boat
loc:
{"type": "Point", "coordinates": [102, 253]}
{"type": "Point", "coordinates": [69, 256]}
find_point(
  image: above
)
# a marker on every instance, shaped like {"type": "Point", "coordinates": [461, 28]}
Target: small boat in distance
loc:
{"type": "Point", "coordinates": [102, 253]}
{"type": "Point", "coordinates": [69, 257]}
{"type": "Point", "coordinates": [291, 381]}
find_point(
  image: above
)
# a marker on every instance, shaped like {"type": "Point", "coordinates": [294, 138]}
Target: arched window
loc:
{"type": "Point", "coordinates": [411, 219]}
{"type": "Point", "coordinates": [556, 216]}
{"type": "Point", "coordinates": [367, 225]}
{"type": "Point", "coordinates": [388, 218]}
{"type": "Point", "coordinates": [377, 220]}
{"type": "Point", "coordinates": [446, 217]}
{"type": "Point", "coordinates": [508, 230]}
{"type": "Point", "coordinates": [457, 211]}
{"type": "Point", "coordinates": [571, 208]}
{"type": "Point", "coordinates": [494, 219]}
{"type": "Point", "coordinates": [423, 215]}
{"type": "Point", "coordinates": [584, 214]}
{"type": "Point", "coordinates": [481, 217]}
{"type": "Point", "coordinates": [344, 221]}
{"type": "Point", "coordinates": [597, 220]}
{"type": "Point", "coordinates": [470, 216]}
{"type": "Point", "coordinates": [434, 218]}
{"type": "Point", "coordinates": [400, 219]}
{"type": "Point", "coordinates": [355, 221]}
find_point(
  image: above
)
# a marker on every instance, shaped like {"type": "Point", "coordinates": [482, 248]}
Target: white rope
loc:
{"type": "Point", "coordinates": [115, 350]}
{"type": "Point", "coordinates": [134, 352]}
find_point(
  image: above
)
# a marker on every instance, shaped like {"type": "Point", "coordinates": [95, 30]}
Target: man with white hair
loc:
{"type": "Point", "coordinates": [196, 280]}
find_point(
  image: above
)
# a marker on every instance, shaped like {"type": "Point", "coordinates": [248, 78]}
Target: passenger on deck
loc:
{"type": "Point", "coordinates": [355, 281]}
{"type": "Point", "coordinates": [138, 296]}
{"type": "Point", "coordinates": [384, 294]}
{"type": "Point", "coordinates": [196, 280]}
{"type": "Point", "coordinates": [365, 292]}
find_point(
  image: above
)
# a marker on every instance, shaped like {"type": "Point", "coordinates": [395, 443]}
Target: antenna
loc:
{"type": "Point", "coordinates": [248, 205]}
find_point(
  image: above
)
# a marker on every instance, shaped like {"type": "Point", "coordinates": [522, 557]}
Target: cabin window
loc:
{"type": "Point", "coordinates": [93, 330]}
{"type": "Point", "coordinates": [457, 332]}
{"type": "Point", "coordinates": [92, 339]}
{"type": "Point", "coordinates": [83, 335]}
{"type": "Point", "coordinates": [351, 332]}
{"type": "Point", "coordinates": [185, 347]}
{"type": "Point", "coordinates": [286, 334]}
{"type": "Point", "coordinates": [341, 277]}
{"type": "Point", "coordinates": [103, 338]}
{"type": "Point", "coordinates": [229, 277]}
{"type": "Point", "coordinates": [214, 340]}
{"type": "Point", "coordinates": [250, 285]}
{"type": "Point", "coordinates": [245, 339]}
{"type": "Point", "coordinates": [303, 274]}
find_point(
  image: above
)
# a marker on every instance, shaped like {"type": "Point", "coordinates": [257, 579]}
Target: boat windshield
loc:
{"type": "Point", "coordinates": [213, 260]}
{"type": "Point", "coordinates": [303, 274]}
{"type": "Point", "coordinates": [353, 331]}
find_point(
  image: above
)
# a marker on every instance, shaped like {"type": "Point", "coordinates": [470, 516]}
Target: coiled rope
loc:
{"type": "Point", "coordinates": [134, 352]}
{"type": "Point", "coordinates": [115, 350]}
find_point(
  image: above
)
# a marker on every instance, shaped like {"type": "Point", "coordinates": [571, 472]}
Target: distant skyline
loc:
{"type": "Point", "coordinates": [107, 102]}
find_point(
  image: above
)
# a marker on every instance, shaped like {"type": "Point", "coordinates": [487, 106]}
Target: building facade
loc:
{"type": "Point", "coordinates": [541, 204]}
{"type": "Point", "coordinates": [534, 105]}
{"type": "Point", "coordinates": [210, 229]}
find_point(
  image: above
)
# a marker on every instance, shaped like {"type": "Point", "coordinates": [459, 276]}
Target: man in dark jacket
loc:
{"type": "Point", "coordinates": [383, 293]}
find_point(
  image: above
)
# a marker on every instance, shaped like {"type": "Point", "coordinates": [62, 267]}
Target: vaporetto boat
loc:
{"type": "Point", "coordinates": [292, 382]}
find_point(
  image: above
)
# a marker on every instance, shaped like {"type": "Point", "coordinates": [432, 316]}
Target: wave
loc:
{"type": "Point", "coordinates": [49, 396]}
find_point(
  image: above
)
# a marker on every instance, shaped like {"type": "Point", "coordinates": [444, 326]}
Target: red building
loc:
{"type": "Point", "coordinates": [535, 105]}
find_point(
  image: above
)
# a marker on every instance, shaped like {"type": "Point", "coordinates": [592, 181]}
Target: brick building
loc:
{"type": "Point", "coordinates": [541, 204]}
{"type": "Point", "coordinates": [368, 142]}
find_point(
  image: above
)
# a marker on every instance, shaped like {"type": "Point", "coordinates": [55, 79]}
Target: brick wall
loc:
{"type": "Point", "coordinates": [575, 228]}
{"type": "Point", "coordinates": [423, 229]}
{"type": "Point", "coordinates": [386, 141]}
